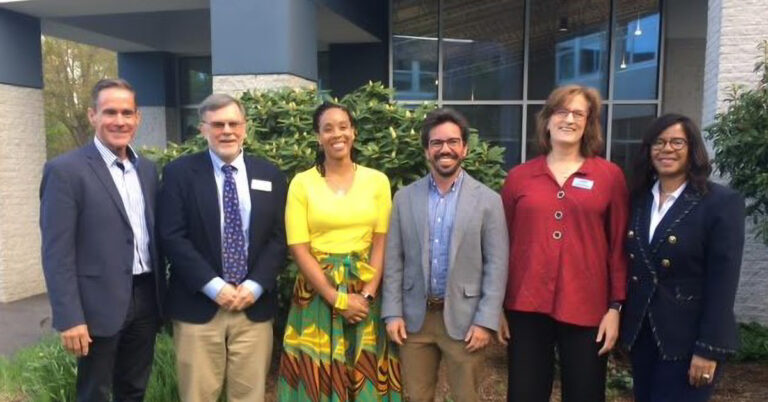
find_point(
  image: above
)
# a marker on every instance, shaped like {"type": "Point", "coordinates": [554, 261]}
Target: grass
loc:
{"type": "Point", "coordinates": [46, 373]}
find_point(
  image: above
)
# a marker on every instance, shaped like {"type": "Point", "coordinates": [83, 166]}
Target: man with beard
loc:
{"type": "Point", "coordinates": [445, 266]}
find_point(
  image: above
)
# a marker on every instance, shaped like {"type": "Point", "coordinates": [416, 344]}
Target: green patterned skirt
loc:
{"type": "Point", "coordinates": [325, 358]}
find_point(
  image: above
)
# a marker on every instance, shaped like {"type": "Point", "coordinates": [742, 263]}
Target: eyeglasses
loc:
{"type": "Point", "coordinates": [676, 144]}
{"type": "Point", "coordinates": [453, 143]}
{"type": "Point", "coordinates": [220, 125]}
{"type": "Point", "coordinates": [578, 115]}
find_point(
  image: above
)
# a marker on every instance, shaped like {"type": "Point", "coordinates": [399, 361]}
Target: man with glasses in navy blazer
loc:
{"type": "Point", "coordinates": [221, 223]}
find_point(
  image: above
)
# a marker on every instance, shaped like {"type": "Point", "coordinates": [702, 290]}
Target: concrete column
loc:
{"type": "Point", "coordinates": [153, 75]}
{"type": "Point", "coordinates": [22, 155]}
{"type": "Point", "coordinates": [263, 44]}
{"type": "Point", "coordinates": [734, 28]}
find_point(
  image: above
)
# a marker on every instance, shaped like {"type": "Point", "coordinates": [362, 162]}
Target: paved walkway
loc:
{"type": "Point", "coordinates": [23, 323]}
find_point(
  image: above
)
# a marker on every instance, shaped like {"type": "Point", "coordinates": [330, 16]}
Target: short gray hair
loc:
{"type": "Point", "coordinates": [215, 102]}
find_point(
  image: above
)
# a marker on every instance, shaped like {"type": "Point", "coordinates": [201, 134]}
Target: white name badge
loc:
{"type": "Point", "coordinates": [261, 185]}
{"type": "Point", "coordinates": [583, 183]}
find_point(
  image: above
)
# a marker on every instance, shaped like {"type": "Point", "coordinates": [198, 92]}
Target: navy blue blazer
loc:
{"type": "Point", "coordinates": [87, 241]}
{"type": "Point", "coordinates": [190, 231]}
{"type": "Point", "coordinates": [685, 280]}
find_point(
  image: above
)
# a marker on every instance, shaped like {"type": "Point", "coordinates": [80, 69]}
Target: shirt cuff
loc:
{"type": "Point", "coordinates": [254, 287]}
{"type": "Point", "coordinates": [389, 319]}
{"type": "Point", "coordinates": [213, 287]}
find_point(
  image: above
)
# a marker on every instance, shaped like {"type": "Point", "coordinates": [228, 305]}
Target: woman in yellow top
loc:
{"type": "Point", "coordinates": [335, 348]}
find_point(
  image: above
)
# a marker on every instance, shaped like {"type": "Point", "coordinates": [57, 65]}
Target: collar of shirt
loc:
{"type": "Point", "coordinates": [655, 190]}
{"type": "Point", "coordinates": [455, 186]}
{"type": "Point", "coordinates": [238, 163]}
{"type": "Point", "coordinates": [110, 158]}
{"type": "Point", "coordinates": [541, 168]}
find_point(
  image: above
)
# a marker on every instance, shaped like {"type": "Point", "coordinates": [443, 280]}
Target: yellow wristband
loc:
{"type": "Point", "coordinates": [342, 301]}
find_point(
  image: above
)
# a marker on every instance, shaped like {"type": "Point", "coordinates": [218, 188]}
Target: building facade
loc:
{"type": "Point", "coordinates": [494, 60]}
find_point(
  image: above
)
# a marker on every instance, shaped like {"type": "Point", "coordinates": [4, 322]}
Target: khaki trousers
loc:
{"type": "Point", "coordinates": [420, 358]}
{"type": "Point", "coordinates": [229, 347]}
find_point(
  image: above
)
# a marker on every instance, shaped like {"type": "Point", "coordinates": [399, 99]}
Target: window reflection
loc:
{"type": "Point", "coordinates": [629, 124]}
{"type": "Point", "coordinates": [414, 49]}
{"type": "Point", "coordinates": [195, 84]}
{"type": "Point", "coordinates": [194, 79]}
{"type": "Point", "coordinates": [569, 45]}
{"type": "Point", "coordinates": [500, 125]}
{"type": "Point", "coordinates": [483, 49]}
{"type": "Point", "coordinates": [637, 49]}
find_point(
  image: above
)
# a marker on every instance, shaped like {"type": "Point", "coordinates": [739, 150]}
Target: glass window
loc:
{"type": "Point", "coordinates": [500, 125]}
{"type": "Point", "coordinates": [629, 124]}
{"type": "Point", "coordinates": [195, 84]}
{"type": "Point", "coordinates": [323, 70]}
{"type": "Point", "coordinates": [414, 49]}
{"type": "Point", "coordinates": [195, 79]}
{"type": "Point", "coordinates": [189, 123]}
{"type": "Point", "coordinates": [568, 45]}
{"type": "Point", "coordinates": [636, 61]}
{"type": "Point", "coordinates": [483, 49]}
{"type": "Point", "coordinates": [531, 143]}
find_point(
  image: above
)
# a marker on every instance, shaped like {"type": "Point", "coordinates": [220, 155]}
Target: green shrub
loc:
{"type": "Point", "coordinates": [754, 343]}
{"type": "Point", "coordinates": [388, 139]}
{"type": "Point", "coordinates": [740, 137]}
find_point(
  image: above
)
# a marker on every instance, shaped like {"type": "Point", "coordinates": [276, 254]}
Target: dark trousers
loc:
{"type": "Point", "coordinates": [119, 365]}
{"type": "Point", "coordinates": [531, 354]}
{"type": "Point", "coordinates": [657, 380]}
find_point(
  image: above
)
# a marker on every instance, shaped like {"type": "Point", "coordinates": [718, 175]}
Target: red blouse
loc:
{"type": "Point", "coordinates": [566, 244]}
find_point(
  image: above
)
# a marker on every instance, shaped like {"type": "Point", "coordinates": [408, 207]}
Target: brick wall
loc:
{"type": "Point", "coordinates": [734, 29]}
{"type": "Point", "coordinates": [22, 155]}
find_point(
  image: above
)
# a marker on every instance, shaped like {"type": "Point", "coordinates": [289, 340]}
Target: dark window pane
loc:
{"type": "Point", "coordinates": [629, 124]}
{"type": "Point", "coordinates": [195, 80]}
{"type": "Point", "coordinates": [323, 70]}
{"type": "Point", "coordinates": [189, 122]}
{"type": "Point", "coordinates": [414, 49]}
{"type": "Point", "coordinates": [532, 144]}
{"type": "Point", "coordinates": [483, 49]}
{"type": "Point", "coordinates": [500, 125]}
{"type": "Point", "coordinates": [568, 45]}
{"type": "Point", "coordinates": [637, 49]}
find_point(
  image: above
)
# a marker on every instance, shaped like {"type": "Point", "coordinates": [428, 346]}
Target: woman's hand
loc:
{"type": "Point", "coordinates": [357, 309]}
{"type": "Point", "coordinates": [503, 334]}
{"type": "Point", "coordinates": [702, 371]}
{"type": "Point", "coordinates": [609, 329]}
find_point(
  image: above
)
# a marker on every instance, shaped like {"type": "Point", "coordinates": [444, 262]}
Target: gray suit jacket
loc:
{"type": "Point", "coordinates": [477, 274]}
{"type": "Point", "coordinates": [87, 245]}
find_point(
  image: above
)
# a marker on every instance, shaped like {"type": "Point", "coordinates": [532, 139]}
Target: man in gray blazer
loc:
{"type": "Point", "coordinates": [100, 261]}
{"type": "Point", "coordinates": [445, 267]}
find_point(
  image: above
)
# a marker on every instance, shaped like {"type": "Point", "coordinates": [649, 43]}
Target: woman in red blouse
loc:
{"type": "Point", "coordinates": [567, 215]}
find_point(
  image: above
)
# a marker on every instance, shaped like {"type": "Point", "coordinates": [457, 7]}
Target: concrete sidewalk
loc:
{"type": "Point", "coordinates": [23, 323]}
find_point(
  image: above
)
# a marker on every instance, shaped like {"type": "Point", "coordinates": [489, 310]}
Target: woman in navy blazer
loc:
{"type": "Point", "coordinates": [685, 242]}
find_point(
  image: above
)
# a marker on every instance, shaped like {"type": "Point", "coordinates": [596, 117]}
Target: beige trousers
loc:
{"type": "Point", "coordinates": [228, 348]}
{"type": "Point", "coordinates": [420, 360]}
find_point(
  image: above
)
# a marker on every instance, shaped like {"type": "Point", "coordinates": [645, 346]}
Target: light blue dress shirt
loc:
{"type": "Point", "coordinates": [214, 286]}
{"type": "Point", "coordinates": [126, 180]}
{"type": "Point", "coordinates": [442, 214]}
